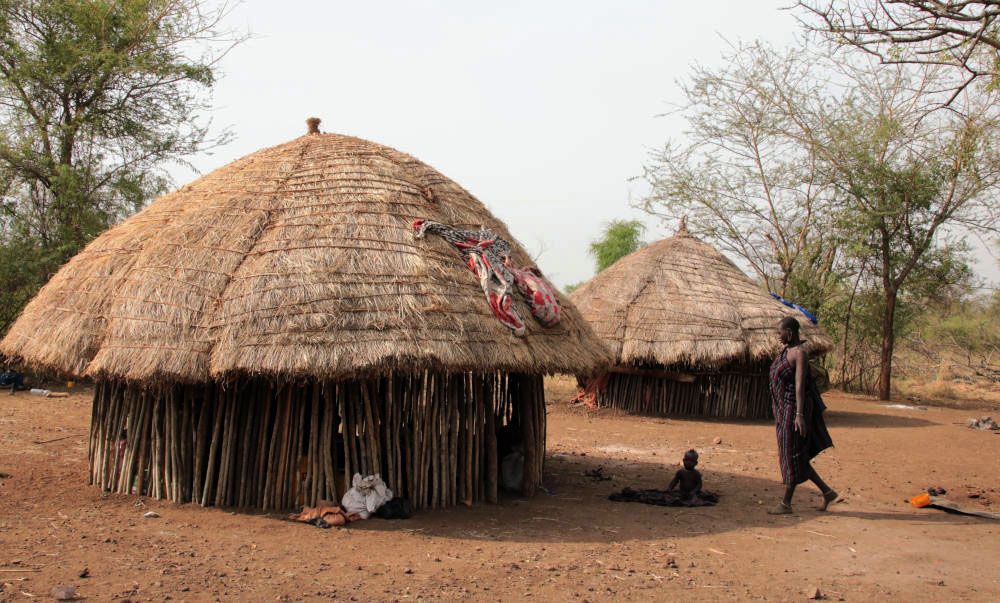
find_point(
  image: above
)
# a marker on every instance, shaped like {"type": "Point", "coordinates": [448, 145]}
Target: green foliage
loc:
{"type": "Point", "coordinates": [974, 329]}
{"type": "Point", "coordinates": [96, 97]}
{"type": "Point", "coordinates": [572, 287]}
{"type": "Point", "coordinates": [854, 317]}
{"type": "Point", "coordinates": [22, 265]}
{"type": "Point", "coordinates": [901, 174]}
{"type": "Point", "coordinates": [959, 338]}
{"type": "Point", "coordinates": [815, 278]}
{"type": "Point", "coordinates": [619, 238]}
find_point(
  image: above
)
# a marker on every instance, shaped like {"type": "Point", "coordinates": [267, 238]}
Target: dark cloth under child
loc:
{"type": "Point", "coordinates": [664, 498]}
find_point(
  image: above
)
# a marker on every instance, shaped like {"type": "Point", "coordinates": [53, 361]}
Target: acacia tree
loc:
{"type": "Point", "coordinates": [96, 97]}
{"type": "Point", "coordinates": [799, 156]}
{"type": "Point", "coordinates": [958, 33]}
{"type": "Point", "coordinates": [903, 176]}
{"type": "Point", "coordinates": [742, 175]}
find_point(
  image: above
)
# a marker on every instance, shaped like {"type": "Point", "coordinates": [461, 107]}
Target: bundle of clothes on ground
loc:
{"type": "Point", "coordinates": [367, 496]}
{"type": "Point", "coordinates": [983, 423]}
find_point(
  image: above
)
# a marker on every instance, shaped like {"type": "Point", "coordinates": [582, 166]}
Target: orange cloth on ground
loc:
{"type": "Point", "coordinates": [331, 514]}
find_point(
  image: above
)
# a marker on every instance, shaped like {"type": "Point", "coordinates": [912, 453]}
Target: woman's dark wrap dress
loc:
{"type": "Point", "coordinates": [795, 451]}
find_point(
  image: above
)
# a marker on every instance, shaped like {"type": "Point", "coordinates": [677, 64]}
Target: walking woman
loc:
{"type": "Point", "coordinates": [798, 416]}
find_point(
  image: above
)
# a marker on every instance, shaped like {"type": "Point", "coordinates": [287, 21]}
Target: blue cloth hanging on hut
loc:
{"type": "Point", "coordinates": [812, 318]}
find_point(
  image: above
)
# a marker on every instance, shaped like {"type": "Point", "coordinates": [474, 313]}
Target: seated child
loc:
{"type": "Point", "coordinates": [688, 478]}
{"type": "Point", "coordinates": [690, 493]}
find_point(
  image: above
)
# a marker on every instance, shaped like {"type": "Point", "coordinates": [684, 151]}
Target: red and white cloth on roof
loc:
{"type": "Point", "coordinates": [488, 257]}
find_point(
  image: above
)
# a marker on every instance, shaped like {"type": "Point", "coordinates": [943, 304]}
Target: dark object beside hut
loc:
{"type": "Point", "coordinates": [691, 334]}
{"type": "Point", "coordinates": [261, 334]}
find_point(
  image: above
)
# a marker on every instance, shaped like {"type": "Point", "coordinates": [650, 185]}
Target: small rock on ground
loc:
{"type": "Point", "coordinates": [64, 593]}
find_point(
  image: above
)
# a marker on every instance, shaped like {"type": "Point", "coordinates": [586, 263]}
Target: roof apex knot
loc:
{"type": "Point", "coordinates": [682, 227]}
{"type": "Point", "coordinates": [313, 124]}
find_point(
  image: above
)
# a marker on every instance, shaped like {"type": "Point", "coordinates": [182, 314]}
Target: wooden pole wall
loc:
{"type": "Point", "coordinates": [737, 392]}
{"type": "Point", "coordinates": [266, 445]}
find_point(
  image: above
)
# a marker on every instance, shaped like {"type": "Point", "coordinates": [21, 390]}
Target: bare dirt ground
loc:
{"type": "Point", "coordinates": [570, 544]}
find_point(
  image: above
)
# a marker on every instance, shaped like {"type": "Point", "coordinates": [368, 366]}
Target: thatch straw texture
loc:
{"type": "Point", "coordinates": [679, 301]}
{"type": "Point", "coordinates": [297, 260]}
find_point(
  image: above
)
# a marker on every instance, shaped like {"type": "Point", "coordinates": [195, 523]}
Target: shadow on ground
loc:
{"type": "Point", "coordinates": [930, 516]}
{"type": "Point", "coordinates": [846, 418]}
{"type": "Point", "coordinates": [577, 508]}
{"type": "Point", "coordinates": [838, 418]}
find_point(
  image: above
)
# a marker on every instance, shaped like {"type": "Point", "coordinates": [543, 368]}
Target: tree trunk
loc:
{"type": "Point", "coordinates": [888, 341]}
{"type": "Point", "coordinates": [847, 326]}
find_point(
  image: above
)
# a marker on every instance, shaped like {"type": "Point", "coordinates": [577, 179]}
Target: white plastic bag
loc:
{"type": "Point", "coordinates": [366, 495]}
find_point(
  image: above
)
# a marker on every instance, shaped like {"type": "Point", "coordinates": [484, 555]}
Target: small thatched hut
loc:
{"type": "Point", "coordinates": [261, 334]}
{"type": "Point", "coordinates": [691, 334]}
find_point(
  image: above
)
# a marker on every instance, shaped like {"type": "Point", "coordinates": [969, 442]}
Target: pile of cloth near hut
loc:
{"type": "Point", "coordinates": [263, 334]}
{"type": "Point", "coordinates": [691, 334]}
{"type": "Point", "coordinates": [368, 496]}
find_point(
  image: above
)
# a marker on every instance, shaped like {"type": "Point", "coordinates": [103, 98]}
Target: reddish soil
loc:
{"type": "Point", "coordinates": [571, 544]}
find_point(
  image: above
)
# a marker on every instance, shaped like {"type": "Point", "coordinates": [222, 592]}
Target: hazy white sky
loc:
{"type": "Point", "coordinates": [543, 110]}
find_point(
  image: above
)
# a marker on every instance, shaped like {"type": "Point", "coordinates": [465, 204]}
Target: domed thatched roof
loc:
{"type": "Point", "coordinates": [680, 300]}
{"type": "Point", "coordinates": [297, 260]}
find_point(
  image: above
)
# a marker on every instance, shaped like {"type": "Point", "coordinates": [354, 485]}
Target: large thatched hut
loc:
{"type": "Point", "coordinates": [263, 333]}
{"type": "Point", "coordinates": [691, 334]}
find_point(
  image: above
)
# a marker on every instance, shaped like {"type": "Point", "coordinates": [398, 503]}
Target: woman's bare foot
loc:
{"type": "Point", "coordinates": [780, 509]}
{"type": "Point", "coordinates": [828, 497]}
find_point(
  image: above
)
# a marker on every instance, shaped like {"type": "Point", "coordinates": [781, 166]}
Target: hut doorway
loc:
{"type": "Point", "coordinates": [258, 443]}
